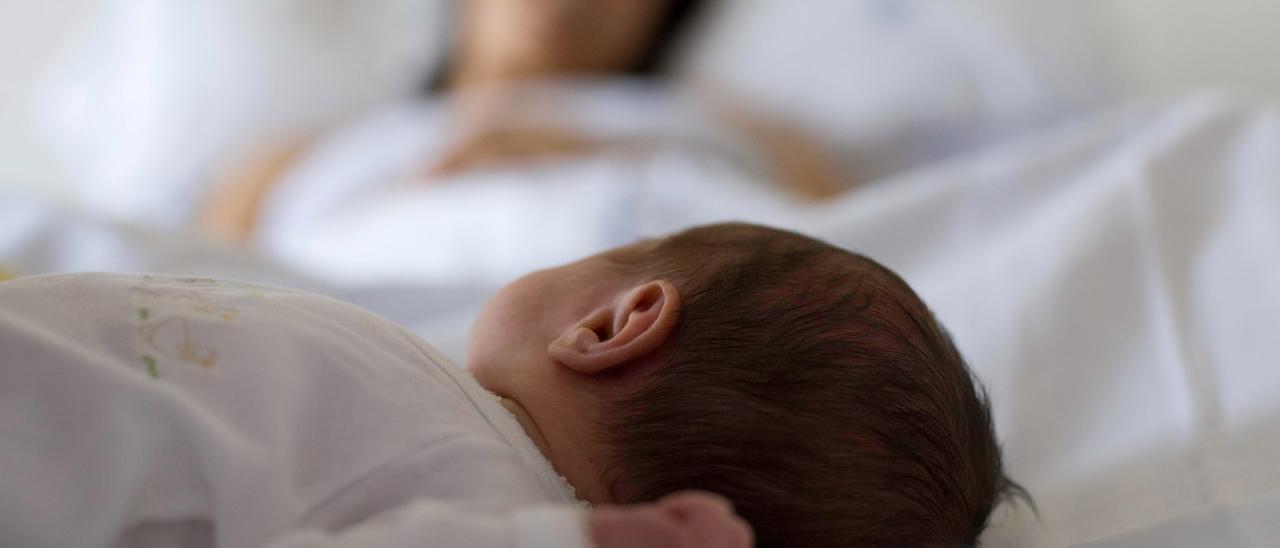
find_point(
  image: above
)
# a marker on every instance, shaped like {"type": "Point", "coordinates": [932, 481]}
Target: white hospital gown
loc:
{"type": "Point", "coordinates": [155, 411]}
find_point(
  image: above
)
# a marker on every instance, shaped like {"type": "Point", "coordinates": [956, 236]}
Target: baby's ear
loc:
{"type": "Point", "coordinates": [636, 325]}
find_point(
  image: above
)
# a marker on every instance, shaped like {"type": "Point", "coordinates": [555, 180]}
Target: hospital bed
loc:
{"type": "Point", "coordinates": [1111, 277]}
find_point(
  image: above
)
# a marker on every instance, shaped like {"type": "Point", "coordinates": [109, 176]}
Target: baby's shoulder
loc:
{"type": "Point", "coordinates": [174, 322]}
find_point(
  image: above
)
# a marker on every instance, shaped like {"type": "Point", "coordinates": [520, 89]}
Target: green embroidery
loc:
{"type": "Point", "coordinates": [168, 314]}
{"type": "Point", "coordinates": [151, 366]}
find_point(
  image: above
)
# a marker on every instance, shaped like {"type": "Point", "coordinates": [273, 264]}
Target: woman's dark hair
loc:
{"type": "Point", "coordinates": [656, 58]}
{"type": "Point", "coordinates": [653, 62]}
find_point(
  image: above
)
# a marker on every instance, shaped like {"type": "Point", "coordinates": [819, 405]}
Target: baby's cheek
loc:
{"type": "Point", "coordinates": [496, 340]}
{"type": "Point", "coordinates": [481, 342]}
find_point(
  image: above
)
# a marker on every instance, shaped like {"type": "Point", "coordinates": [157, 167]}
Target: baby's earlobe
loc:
{"type": "Point", "coordinates": [629, 329]}
{"type": "Point", "coordinates": [581, 340]}
{"type": "Point", "coordinates": [578, 347]}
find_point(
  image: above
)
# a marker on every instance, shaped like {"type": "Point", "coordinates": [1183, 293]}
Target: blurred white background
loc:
{"type": "Point", "coordinates": [34, 33]}
{"type": "Point", "coordinates": [1159, 47]}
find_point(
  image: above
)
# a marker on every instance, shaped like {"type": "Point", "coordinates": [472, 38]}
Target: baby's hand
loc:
{"type": "Point", "coordinates": [690, 519]}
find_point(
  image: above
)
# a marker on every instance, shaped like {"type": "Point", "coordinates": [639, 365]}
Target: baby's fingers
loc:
{"type": "Point", "coordinates": [707, 520]}
{"type": "Point", "coordinates": [684, 520]}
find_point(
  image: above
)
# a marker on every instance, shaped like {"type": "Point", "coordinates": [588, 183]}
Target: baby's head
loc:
{"type": "Point", "coordinates": [807, 384]}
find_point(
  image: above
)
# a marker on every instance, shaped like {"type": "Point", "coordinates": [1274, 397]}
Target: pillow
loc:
{"type": "Point", "coordinates": [154, 97]}
{"type": "Point", "coordinates": [896, 83]}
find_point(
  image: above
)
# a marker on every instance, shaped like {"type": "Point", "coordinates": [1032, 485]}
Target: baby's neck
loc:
{"type": "Point", "coordinates": [526, 422]}
{"type": "Point", "coordinates": [573, 470]}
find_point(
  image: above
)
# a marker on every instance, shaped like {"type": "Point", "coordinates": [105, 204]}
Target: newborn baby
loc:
{"type": "Point", "coordinates": [806, 385]}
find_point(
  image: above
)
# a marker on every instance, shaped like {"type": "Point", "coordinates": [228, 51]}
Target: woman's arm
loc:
{"type": "Point", "coordinates": [796, 160]}
{"type": "Point", "coordinates": [231, 209]}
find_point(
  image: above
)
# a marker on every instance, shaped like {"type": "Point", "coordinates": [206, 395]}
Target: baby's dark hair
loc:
{"type": "Point", "coordinates": [814, 389]}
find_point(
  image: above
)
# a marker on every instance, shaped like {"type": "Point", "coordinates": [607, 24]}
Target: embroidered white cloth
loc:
{"type": "Point", "coordinates": [157, 411]}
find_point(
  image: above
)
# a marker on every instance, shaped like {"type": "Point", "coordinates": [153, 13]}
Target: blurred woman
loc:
{"type": "Point", "coordinates": [522, 83]}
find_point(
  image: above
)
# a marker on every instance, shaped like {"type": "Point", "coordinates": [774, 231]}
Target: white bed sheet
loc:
{"type": "Point", "coordinates": [1115, 283]}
